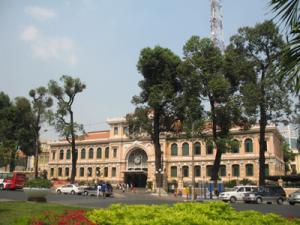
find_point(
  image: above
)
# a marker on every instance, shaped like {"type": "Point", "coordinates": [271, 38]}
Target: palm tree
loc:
{"type": "Point", "coordinates": [288, 13]}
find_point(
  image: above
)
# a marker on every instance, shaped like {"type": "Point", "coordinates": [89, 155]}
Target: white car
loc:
{"type": "Point", "coordinates": [70, 189]}
{"type": "Point", "coordinates": [237, 193]}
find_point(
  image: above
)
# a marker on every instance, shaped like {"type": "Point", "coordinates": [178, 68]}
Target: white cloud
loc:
{"type": "Point", "coordinates": [50, 48]}
{"type": "Point", "coordinates": [40, 13]}
{"type": "Point", "coordinates": [30, 33]}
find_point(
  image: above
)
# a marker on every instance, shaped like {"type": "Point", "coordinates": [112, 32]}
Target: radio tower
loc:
{"type": "Point", "coordinates": [216, 24]}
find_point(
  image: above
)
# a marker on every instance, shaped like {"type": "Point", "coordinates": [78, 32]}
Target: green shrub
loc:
{"type": "Point", "coordinates": [38, 183]}
{"type": "Point", "coordinates": [216, 213]}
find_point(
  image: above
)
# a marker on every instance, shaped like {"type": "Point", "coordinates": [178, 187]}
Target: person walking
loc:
{"type": "Point", "coordinates": [98, 189]}
{"type": "Point", "coordinates": [103, 189]}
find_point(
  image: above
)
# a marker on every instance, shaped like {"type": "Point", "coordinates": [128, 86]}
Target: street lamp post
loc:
{"type": "Point", "coordinates": [160, 173]}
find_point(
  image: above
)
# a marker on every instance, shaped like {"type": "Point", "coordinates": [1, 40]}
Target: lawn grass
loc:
{"type": "Point", "coordinates": [11, 212]}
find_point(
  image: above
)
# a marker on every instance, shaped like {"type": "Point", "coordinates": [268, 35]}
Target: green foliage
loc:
{"type": "Point", "coordinates": [246, 181]}
{"type": "Point", "coordinates": [65, 95]}
{"type": "Point", "coordinates": [16, 121]}
{"type": "Point", "coordinates": [288, 11]}
{"type": "Point", "coordinates": [38, 183]}
{"type": "Point", "coordinates": [182, 213]}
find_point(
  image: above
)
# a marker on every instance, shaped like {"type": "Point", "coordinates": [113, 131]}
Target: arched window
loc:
{"type": "Point", "coordinates": [209, 170]}
{"type": "Point", "coordinates": [197, 171]}
{"type": "Point", "coordinates": [249, 170]}
{"type": "Point", "coordinates": [197, 148]}
{"type": "Point", "coordinates": [185, 171]}
{"type": "Point", "coordinates": [107, 152]}
{"type": "Point", "coordinates": [248, 145]}
{"type": "Point", "coordinates": [82, 156]}
{"type": "Point", "coordinates": [173, 171]}
{"type": "Point", "coordinates": [235, 147]}
{"type": "Point", "coordinates": [113, 171]}
{"type": "Point", "coordinates": [67, 171]}
{"type": "Point", "coordinates": [235, 170]}
{"type": "Point", "coordinates": [68, 154]}
{"type": "Point", "coordinates": [90, 171]}
{"type": "Point", "coordinates": [222, 171]}
{"type": "Point", "coordinates": [209, 148]}
{"type": "Point", "coordinates": [266, 170]}
{"type": "Point", "coordinates": [185, 149]}
{"type": "Point", "coordinates": [91, 153]}
{"type": "Point", "coordinates": [105, 171]}
{"type": "Point", "coordinates": [61, 154]}
{"type": "Point", "coordinates": [98, 171]}
{"type": "Point", "coordinates": [99, 153]}
{"type": "Point", "coordinates": [60, 172]}
{"type": "Point", "coordinates": [115, 151]}
{"type": "Point", "coordinates": [81, 171]}
{"type": "Point", "coordinates": [174, 150]}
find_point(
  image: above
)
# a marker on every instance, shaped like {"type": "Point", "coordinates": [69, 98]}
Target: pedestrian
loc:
{"type": "Point", "coordinates": [98, 189]}
{"type": "Point", "coordinates": [103, 189]}
{"type": "Point", "coordinates": [172, 188]}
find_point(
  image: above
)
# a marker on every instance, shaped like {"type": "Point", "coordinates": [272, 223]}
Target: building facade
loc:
{"type": "Point", "coordinates": [111, 156]}
{"type": "Point", "coordinates": [291, 134]}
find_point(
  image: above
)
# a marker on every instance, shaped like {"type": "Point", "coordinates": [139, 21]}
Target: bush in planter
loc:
{"type": "Point", "coordinates": [37, 189]}
{"type": "Point", "coordinates": [38, 183]}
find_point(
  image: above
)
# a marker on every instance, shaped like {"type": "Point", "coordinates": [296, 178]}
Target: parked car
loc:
{"type": "Point", "coordinates": [268, 194]}
{"type": "Point", "coordinates": [70, 189]}
{"type": "Point", "coordinates": [237, 193]}
{"type": "Point", "coordinates": [92, 190]}
{"type": "Point", "coordinates": [294, 197]}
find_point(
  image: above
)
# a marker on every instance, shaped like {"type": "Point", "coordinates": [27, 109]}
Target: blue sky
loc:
{"type": "Point", "coordinates": [99, 41]}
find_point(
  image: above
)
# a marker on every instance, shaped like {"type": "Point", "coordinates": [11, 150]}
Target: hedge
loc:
{"type": "Point", "coordinates": [215, 213]}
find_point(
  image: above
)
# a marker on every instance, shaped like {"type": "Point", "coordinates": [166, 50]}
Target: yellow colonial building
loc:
{"type": "Point", "coordinates": [111, 156]}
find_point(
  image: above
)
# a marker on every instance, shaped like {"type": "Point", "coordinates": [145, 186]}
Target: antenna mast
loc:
{"type": "Point", "coordinates": [216, 24]}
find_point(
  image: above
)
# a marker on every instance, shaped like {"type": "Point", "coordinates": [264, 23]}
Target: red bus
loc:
{"type": "Point", "coordinates": [12, 180]}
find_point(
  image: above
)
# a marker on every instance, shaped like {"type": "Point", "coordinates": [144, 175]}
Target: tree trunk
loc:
{"type": "Point", "coordinates": [155, 138]}
{"type": "Point", "coordinates": [217, 161]}
{"type": "Point", "coordinates": [262, 131]}
{"type": "Point", "coordinates": [12, 161]}
{"type": "Point", "coordinates": [262, 144]}
{"type": "Point", "coordinates": [36, 158]}
{"type": "Point", "coordinates": [74, 152]}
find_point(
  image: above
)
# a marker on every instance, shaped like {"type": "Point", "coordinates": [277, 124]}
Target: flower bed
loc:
{"type": "Point", "coordinates": [70, 217]}
{"type": "Point", "coordinates": [182, 213]}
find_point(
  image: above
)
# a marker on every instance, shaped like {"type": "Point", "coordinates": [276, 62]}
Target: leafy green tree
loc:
{"type": "Point", "coordinates": [218, 78]}
{"type": "Point", "coordinates": [288, 11]}
{"type": "Point", "coordinates": [288, 155]}
{"type": "Point", "coordinates": [15, 128]}
{"type": "Point", "coordinates": [63, 118]}
{"type": "Point", "coordinates": [263, 94]}
{"type": "Point", "coordinates": [159, 101]}
{"type": "Point", "coordinates": [40, 103]}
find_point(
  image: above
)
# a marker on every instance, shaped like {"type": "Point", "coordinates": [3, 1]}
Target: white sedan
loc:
{"type": "Point", "coordinates": [70, 189]}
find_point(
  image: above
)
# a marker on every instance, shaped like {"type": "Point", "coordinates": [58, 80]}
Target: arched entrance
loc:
{"type": "Point", "coordinates": [136, 168]}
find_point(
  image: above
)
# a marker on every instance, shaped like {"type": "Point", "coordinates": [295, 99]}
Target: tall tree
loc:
{"type": "Point", "coordinates": [263, 93]}
{"type": "Point", "coordinates": [40, 103]}
{"type": "Point", "coordinates": [217, 77]}
{"type": "Point", "coordinates": [16, 119]}
{"type": "Point", "coordinates": [156, 109]}
{"type": "Point", "coordinates": [63, 118]}
{"type": "Point", "coordinates": [288, 13]}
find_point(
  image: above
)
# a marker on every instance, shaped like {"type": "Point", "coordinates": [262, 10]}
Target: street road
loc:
{"type": "Point", "coordinates": [142, 197]}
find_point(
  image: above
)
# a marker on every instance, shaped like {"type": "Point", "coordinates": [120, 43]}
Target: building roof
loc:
{"type": "Point", "coordinates": [96, 135]}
